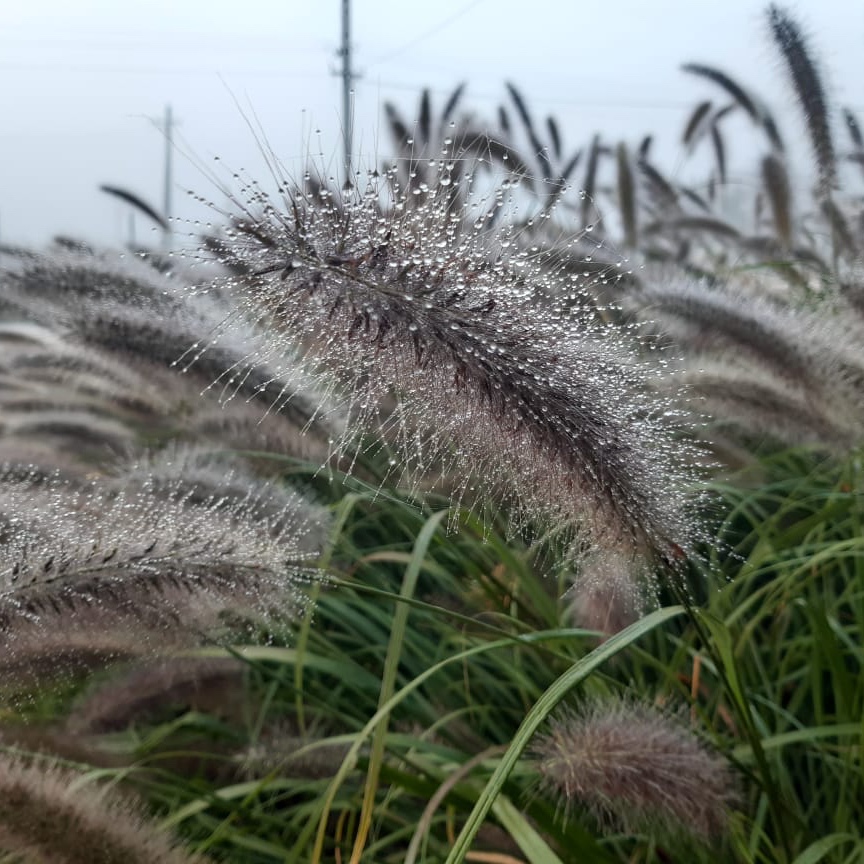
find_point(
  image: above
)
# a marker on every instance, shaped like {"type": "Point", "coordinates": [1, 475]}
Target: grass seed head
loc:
{"type": "Point", "coordinates": [632, 766]}
{"type": "Point", "coordinates": [410, 301]}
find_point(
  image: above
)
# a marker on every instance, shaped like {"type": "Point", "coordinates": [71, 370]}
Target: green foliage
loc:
{"type": "Point", "coordinates": [378, 732]}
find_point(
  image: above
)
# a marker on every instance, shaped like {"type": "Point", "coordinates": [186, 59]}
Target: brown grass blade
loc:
{"type": "Point", "coordinates": [775, 180]}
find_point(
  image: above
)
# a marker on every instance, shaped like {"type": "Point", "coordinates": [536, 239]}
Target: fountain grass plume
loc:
{"type": "Point", "coordinates": [609, 592]}
{"type": "Point", "coordinates": [403, 296]}
{"type": "Point", "coordinates": [763, 368]}
{"type": "Point", "coordinates": [138, 692]}
{"type": "Point", "coordinates": [754, 405]}
{"type": "Point", "coordinates": [166, 561]}
{"type": "Point", "coordinates": [120, 322]}
{"type": "Point", "coordinates": [47, 814]}
{"type": "Point", "coordinates": [809, 91]}
{"type": "Point", "coordinates": [633, 767]}
{"type": "Point", "coordinates": [813, 349]}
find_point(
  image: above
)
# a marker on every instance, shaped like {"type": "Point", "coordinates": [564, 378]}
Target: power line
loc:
{"type": "Point", "coordinates": [431, 32]}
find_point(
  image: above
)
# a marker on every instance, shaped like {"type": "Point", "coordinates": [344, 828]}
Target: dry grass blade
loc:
{"type": "Point", "coordinates": [626, 195]}
{"type": "Point", "coordinates": [809, 91]}
{"type": "Point", "coordinates": [554, 136]}
{"type": "Point", "coordinates": [398, 129]}
{"type": "Point", "coordinates": [504, 120]}
{"type": "Point", "coordinates": [840, 230]}
{"type": "Point", "coordinates": [695, 197]}
{"type": "Point", "coordinates": [449, 109]}
{"type": "Point", "coordinates": [854, 129]}
{"type": "Point", "coordinates": [719, 152]}
{"type": "Point", "coordinates": [694, 124]}
{"type": "Point", "coordinates": [570, 166]}
{"type": "Point", "coordinates": [735, 90]}
{"type": "Point", "coordinates": [590, 182]}
{"type": "Point", "coordinates": [424, 121]}
{"type": "Point", "coordinates": [645, 147]}
{"type": "Point", "coordinates": [137, 202]}
{"type": "Point", "coordinates": [696, 224]}
{"type": "Point", "coordinates": [546, 170]}
{"type": "Point", "coordinates": [661, 189]}
{"type": "Point", "coordinates": [775, 179]}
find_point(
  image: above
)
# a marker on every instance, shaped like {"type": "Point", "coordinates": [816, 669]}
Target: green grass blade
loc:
{"type": "Point", "coordinates": [529, 841]}
{"type": "Point", "coordinates": [540, 711]}
{"type": "Point", "coordinates": [388, 681]}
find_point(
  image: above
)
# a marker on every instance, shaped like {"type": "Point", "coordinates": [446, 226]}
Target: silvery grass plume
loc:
{"type": "Point", "coordinates": [765, 366]}
{"type": "Point", "coordinates": [632, 768]}
{"type": "Point", "coordinates": [402, 297]}
{"type": "Point", "coordinates": [99, 337]}
{"type": "Point", "coordinates": [280, 749]}
{"type": "Point", "coordinates": [47, 814]}
{"type": "Point", "coordinates": [146, 687]}
{"type": "Point", "coordinates": [98, 569]}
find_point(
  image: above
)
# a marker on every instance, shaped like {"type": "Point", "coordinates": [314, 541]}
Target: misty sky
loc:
{"type": "Point", "coordinates": [83, 84]}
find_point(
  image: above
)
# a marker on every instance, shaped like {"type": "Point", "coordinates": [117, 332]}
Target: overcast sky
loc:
{"type": "Point", "coordinates": [84, 84]}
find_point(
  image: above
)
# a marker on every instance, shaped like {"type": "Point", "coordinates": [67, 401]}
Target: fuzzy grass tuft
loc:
{"type": "Point", "coordinates": [48, 815]}
{"type": "Point", "coordinates": [417, 306]}
{"type": "Point", "coordinates": [633, 766]}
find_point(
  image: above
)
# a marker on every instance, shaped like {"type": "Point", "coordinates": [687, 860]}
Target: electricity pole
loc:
{"type": "Point", "coordinates": [347, 79]}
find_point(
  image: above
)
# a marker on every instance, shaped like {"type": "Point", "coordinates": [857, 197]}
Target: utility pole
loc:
{"type": "Point", "coordinates": [347, 79]}
{"type": "Point", "coordinates": [169, 157]}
